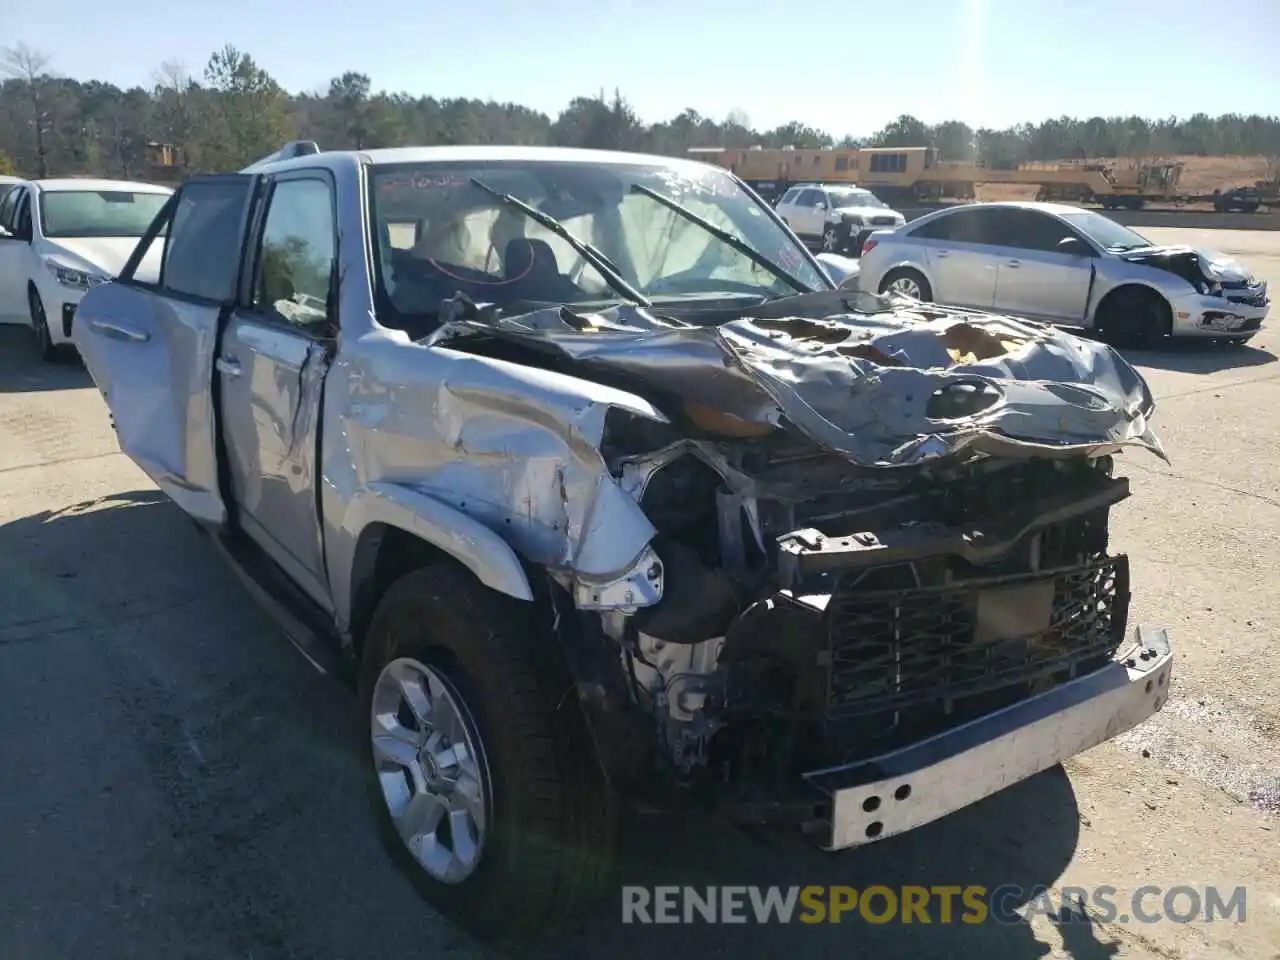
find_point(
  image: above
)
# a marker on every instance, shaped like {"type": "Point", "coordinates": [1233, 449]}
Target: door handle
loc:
{"type": "Point", "coordinates": [941, 253]}
{"type": "Point", "coordinates": [1013, 263]}
{"type": "Point", "coordinates": [229, 365]}
{"type": "Point", "coordinates": [117, 332]}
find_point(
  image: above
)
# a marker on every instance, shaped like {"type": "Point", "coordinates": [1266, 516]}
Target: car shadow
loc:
{"type": "Point", "coordinates": [1191, 356]}
{"type": "Point", "coordinates": [22, 370]}
{"type": "Point", "coordinates": [236, 784]}
{"type": "Point", "coordinates": [1022, 837]}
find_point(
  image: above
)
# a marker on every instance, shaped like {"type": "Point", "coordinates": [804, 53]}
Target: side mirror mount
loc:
{"type": "Point", "coordinates": [1073, 246]}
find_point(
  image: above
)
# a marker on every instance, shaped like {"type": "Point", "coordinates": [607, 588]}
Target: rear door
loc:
{"type": "Point", "coordinates": [786, 206]}
{"type": "Point", "coordinates": [150, 341]}
{"type": "Point", "coordinates": [809, 213]}
{"type": "Point", "coordinates": [962, 256]}
{"type": "Point", "coordinates": [15, 253]}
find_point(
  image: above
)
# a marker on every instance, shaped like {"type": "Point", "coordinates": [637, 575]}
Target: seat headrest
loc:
{"type": "Point", "coordinates": [523, 255]}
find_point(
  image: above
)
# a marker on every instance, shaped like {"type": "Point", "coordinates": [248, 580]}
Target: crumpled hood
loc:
{"type": "Point", "coordinates": [885, 384]}
{"type": "Point", "coordinates": [1214, 265]}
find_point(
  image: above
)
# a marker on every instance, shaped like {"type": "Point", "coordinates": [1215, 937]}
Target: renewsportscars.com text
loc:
{"type": "Point", "coordinates": [933, 904]}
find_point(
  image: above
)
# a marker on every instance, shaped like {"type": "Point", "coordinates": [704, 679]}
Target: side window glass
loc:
{"type": "Point", "coordinates": [939, 229]}
{"type": "Point", "coordinates": [297, 255]}
{"type": "Point", "coordinates": [976, 226]}
{"type": "Point", "coordinates": [8, 207]}
{"type": "Point", "coordinates": [963, 226]}
{"type": "Point", "coordinates": [24, 217]}
{"type": "Point", "coordinates": [1028, 230]}
{"type": "Point", "coordinates": [202, 256]}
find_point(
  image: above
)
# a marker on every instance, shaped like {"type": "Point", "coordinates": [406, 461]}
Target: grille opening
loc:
{"type": "Point", "coordinates": [905, 663]}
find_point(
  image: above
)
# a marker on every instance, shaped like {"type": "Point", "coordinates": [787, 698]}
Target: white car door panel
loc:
{"type": "Point", "coordinates": [815, 212]}
{"type": "Point", "coordinates": [15, 257]}
{"type": "Point", "coordinates": [13, 291]}
{"type": "Point", "coordinates": [787, 212]}
{"type": "Point", "coordinates": [151, 347]}
{"type": "Point", "coordinates": [786, 208]}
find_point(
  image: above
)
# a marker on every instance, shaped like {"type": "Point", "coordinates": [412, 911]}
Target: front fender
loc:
{"type": "Point", "coordinates": [449, 530]}
{"type": "Point", "coordinates": [1105, 285]}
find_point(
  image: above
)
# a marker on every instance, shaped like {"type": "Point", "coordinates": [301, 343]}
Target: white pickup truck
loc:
{"type": "Point", "coordinates": [604, 493]}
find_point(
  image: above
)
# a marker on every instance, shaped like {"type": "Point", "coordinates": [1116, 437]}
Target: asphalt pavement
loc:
{"type": "Point", "coordinates": [180, 783]}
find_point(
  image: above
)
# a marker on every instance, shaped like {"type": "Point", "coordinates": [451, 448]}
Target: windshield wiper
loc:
{"type": "Point", "coordinates": [724, 236]}
{"type": "Point", "coordinates": [604, 266]}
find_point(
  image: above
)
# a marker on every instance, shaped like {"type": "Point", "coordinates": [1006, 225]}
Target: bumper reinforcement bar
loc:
{"type": "Point", "coordinates": [898, 791]}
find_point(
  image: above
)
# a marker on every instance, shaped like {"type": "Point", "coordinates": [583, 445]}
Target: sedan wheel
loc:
{"type": "Point", "coordinates": [431, 767]}
{"type": "Point", "coordinates": [40, 324]}
{"type": "Point", "coordinates": [905, 282]}
{"type": "Point", "coordinates": [906, 286]}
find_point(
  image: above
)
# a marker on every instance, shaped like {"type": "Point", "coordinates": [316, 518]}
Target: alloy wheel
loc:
{"type": "Point", "coordinates": [431, 767]}
{"type": "Point", "coordinates": [905, 286]}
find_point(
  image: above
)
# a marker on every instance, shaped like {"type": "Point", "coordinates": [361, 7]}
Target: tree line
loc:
{"type": "Point", "coordinates": [233, 112]}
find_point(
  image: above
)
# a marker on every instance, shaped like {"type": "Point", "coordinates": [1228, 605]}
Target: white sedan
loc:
{"type": "Point", "coordinates": [58, 238]}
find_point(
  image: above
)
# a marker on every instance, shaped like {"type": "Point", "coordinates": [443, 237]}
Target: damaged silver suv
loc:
{"type": "Point", "coordinates": [605, 494]}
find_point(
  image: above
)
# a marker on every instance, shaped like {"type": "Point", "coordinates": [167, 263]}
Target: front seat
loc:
{"type": "Point", "coordinates": [530, 267]}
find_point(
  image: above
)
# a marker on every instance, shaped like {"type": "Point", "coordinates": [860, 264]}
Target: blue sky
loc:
{"type": "Point", "coordinates": [846, 67]}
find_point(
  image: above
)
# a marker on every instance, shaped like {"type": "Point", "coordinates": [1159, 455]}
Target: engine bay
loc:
{"type": "Point", "coordinates": [826, 621]}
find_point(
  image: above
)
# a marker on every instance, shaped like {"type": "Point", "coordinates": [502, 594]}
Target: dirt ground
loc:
{"type": "Point", "coordinates": [1200, 175]}
{"type": "Point", "coordinates": [1204, 174]}
{"type": "Point", "coordinates": [178, 782]}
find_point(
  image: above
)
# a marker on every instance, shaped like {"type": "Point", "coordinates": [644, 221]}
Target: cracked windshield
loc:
{"type": "Point", "coordinates": [440, 233]}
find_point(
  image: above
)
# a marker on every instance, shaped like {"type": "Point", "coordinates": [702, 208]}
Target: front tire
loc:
{"type": "Point", "coordinates": [513, 834]}
{"type": "Point", "coordinates": [1134, 317]}
{"type": "Point", "coordinates": [40, 326]}
{"type": "Point", "coordinates": [908, 283]}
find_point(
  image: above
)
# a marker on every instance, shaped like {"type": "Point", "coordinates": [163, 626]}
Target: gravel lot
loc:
{"type": "Point", "coordinates": [179, 782]}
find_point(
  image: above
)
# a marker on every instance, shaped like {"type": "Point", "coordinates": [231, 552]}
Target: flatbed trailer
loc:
{"type": "Point", "coordinates": [904, 175]}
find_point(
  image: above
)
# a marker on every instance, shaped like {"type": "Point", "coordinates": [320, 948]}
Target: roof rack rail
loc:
{"type": "Point", "coordinates": [294, 148]}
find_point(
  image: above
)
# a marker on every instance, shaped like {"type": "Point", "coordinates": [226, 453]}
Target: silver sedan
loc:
{"type": "Point", "coordinates": [1069, 266]}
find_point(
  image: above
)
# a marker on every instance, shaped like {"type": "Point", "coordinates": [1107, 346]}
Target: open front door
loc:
{"type": "Point", "coordinates": [150, 338]}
